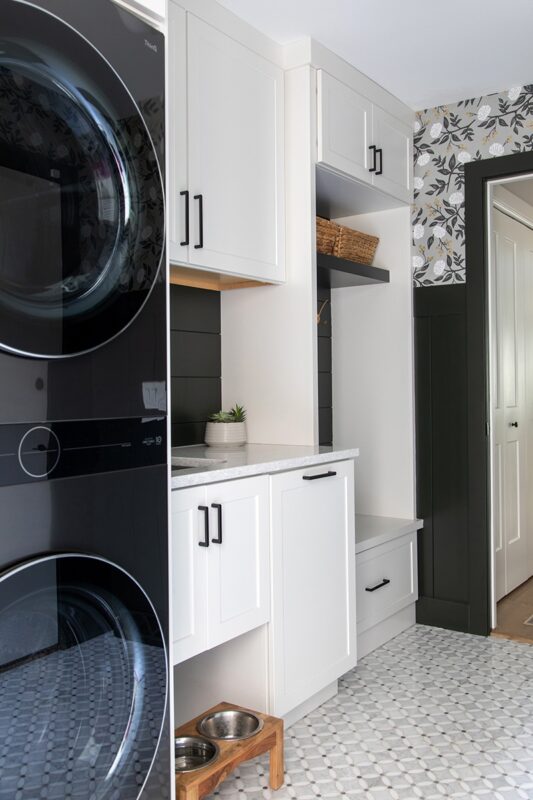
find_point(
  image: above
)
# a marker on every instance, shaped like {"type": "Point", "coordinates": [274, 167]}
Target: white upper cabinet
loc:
{"type": "Point", "coordinates": [361, 140]}
{"type": "Point", "coordinates": [226, 121]}
{"type": "Point", "coordinates": [393, 141]}
{"type": "Point", "coordinates": [344, 127]}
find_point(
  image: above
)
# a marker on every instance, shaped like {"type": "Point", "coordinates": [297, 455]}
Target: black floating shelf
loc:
{"type": "Point", "coordinates": [336, 273]}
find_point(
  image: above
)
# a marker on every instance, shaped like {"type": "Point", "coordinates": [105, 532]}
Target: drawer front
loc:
{"type": "Point", "coordinates": [386, 580]}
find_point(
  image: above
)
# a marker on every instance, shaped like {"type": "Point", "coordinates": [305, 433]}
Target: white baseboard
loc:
{"type": "Point", "coordinates": [310, 704]}
{"type": "Point", "coordinates": [383, 631]}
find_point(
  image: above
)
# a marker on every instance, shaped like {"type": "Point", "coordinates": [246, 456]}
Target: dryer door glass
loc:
{"type": "Point", "coordinates": [81, 196]}
{"type": "Point", "coordinates": [83, 681]}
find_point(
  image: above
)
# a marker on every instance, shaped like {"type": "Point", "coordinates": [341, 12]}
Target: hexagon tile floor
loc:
{"type": "Point", "coordinates": [431, 714]}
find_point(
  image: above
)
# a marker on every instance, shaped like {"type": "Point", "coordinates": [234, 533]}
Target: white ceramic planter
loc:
{"type": "Point", "coordinates": [225, 435]}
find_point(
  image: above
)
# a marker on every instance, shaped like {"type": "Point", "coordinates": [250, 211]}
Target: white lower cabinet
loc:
{"type": "Point", "coordinates": [312, 631]}
{"type": "Point", "coordinates": [387, 590]}
{"type": "Point", "coordinates": [386, 580]}
{"type": "Point", "coordinates": [221, 563]}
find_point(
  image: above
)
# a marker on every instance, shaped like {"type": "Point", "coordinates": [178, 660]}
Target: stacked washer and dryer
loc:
{"type": "Point", "coordinates": [84, 669]}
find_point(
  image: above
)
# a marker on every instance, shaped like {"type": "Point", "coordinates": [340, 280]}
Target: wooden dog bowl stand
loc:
{"type": "Point", "coordinates": [198, 784]}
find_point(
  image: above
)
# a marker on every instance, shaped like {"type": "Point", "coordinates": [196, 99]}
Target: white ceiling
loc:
{"type": "Point", "coordinates": [426, 52]}
{"type": "Point", "coordinates": [522, 189]}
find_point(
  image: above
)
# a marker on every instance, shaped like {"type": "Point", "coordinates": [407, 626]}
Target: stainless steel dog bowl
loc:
{"type": "Point", "coordinates": [230, 724]}
{"type": "Point", "coordinates": [192, 753]}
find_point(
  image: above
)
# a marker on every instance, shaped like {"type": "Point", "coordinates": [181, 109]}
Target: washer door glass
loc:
{"type": "Point", "coordinates": [81, 197]}
{"type": "Point", "coordinates": [83, 681]}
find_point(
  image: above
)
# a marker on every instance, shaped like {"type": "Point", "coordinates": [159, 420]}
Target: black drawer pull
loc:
{"type": "Point", "coordinates": [200, 199]}
{"type": "Point", "coordinates": [185, 194]}
{"type": "Point", "coordinates": [205, 542]}
{"type": "Point", "coordinates": [380, 170]}
{"type": "Point", "coordinates": [377, 586]}
{"type": "Point", "coordinates": [218, 507]}
{"type": "Point", "coordinates": [329, 474]}
{"type": "Point", "coordinates": [373, 149]}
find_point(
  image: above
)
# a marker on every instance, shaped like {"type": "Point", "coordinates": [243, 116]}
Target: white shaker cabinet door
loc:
{"type": "Point", "coordinates": [235, 143]}
{"type": "Point", "coordinates": [313, 635]}
{"type": "Point", "coordinates": [344, 128]}
{"type": "Point", "coordinates": [393, 139]}
{"type": "Point", "coordinates": [178, 203]}
{"type": "Point", "coordinates": [189, 574]}
{"type": "Point", "coordinates": [239, 558]}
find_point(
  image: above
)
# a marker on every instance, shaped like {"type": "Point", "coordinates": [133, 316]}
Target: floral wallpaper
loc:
{"type": "Point", "coordinates": [446, 138]}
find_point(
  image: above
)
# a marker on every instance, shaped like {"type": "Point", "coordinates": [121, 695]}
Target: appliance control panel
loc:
{"type": "Point", "coordinates": [50, 450]}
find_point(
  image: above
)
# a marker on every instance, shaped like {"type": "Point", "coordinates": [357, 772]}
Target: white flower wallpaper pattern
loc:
{"type": "Point", "coordinates": [446, 138]}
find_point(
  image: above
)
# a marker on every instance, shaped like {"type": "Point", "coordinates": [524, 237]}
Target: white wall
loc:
{"type": "Point", "coordinates": [269, 349]}
{"type": "Point", "coordinates": [235, 672]}
{"type": "Point", "coordinates": [373, 396]}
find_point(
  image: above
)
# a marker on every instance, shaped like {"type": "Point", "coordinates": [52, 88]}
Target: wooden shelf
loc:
{"type": "Point", "coordinates": [214, 281]}
{"type": "Point", "coordinates": [336, 273]}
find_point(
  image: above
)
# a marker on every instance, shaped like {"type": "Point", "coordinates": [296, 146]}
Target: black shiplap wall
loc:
{"type": "Point", "coordinates": [195, 361]}
{"type": "Point", "coordinates": [325, 411]}
{"type": "Point", "coordinates": [442, 456]}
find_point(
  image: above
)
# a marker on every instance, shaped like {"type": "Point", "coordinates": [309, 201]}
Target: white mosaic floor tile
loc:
{"type": "Point", "coordinates": [432, 714]}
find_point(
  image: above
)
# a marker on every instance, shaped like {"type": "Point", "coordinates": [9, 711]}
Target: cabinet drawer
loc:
{"type": "Point", "coordinates": [386, 580]}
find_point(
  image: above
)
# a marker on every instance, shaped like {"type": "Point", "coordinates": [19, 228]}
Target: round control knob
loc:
{"type": "Point", "coordinates": [39, 452]}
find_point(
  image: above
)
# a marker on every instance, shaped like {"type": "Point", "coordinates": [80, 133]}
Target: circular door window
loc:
{"type": "Point", "coordinates": [81, 196]}
{"type": "Point", "coordinates": [83, 681]}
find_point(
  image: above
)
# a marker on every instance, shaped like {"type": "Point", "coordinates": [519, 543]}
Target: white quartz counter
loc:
{"type": "Point", "coordinates": [373, 531]}
{"type": "Point", "coordinates": [252, 459]}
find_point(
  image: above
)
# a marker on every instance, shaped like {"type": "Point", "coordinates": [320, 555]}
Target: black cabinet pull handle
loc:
{"type": "Point", "coordinates": [185, 194]}
{"type": "Point", "coordinates": [218, 507]}
{"type": "Point", "coordinates": [205, 542]}
{"type": "Point", "coordinates": [513, 424]}
{"type": "Point", "coordinates": [329, 474]}
{"type": "Point", "coordinates": [372, 148]}
{"type": "Point", "coordinates": [377, 586]}
{"type": "Point", "coordinates": [380, 170]}
{"type": "Point", "coordinates": [200, 199]}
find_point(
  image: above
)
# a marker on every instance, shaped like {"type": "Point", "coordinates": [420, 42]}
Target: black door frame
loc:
{"type": "Point", "coordinates": [477, 174]}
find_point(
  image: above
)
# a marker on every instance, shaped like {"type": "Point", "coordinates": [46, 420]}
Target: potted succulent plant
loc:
{"type": "Point", "coordinates": [226, 429]}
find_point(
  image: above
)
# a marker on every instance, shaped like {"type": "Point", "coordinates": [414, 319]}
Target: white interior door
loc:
{"type": "Point", "coordinates": [512, 258]}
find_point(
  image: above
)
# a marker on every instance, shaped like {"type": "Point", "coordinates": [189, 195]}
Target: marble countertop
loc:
{"type": "Point", "coordinates": [252, 459]}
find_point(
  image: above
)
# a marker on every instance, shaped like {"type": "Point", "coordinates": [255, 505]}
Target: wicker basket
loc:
{"type": "Point", "coordinates": [326, 233]}
{"type": "Point", "coordinates": [355, 246]}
